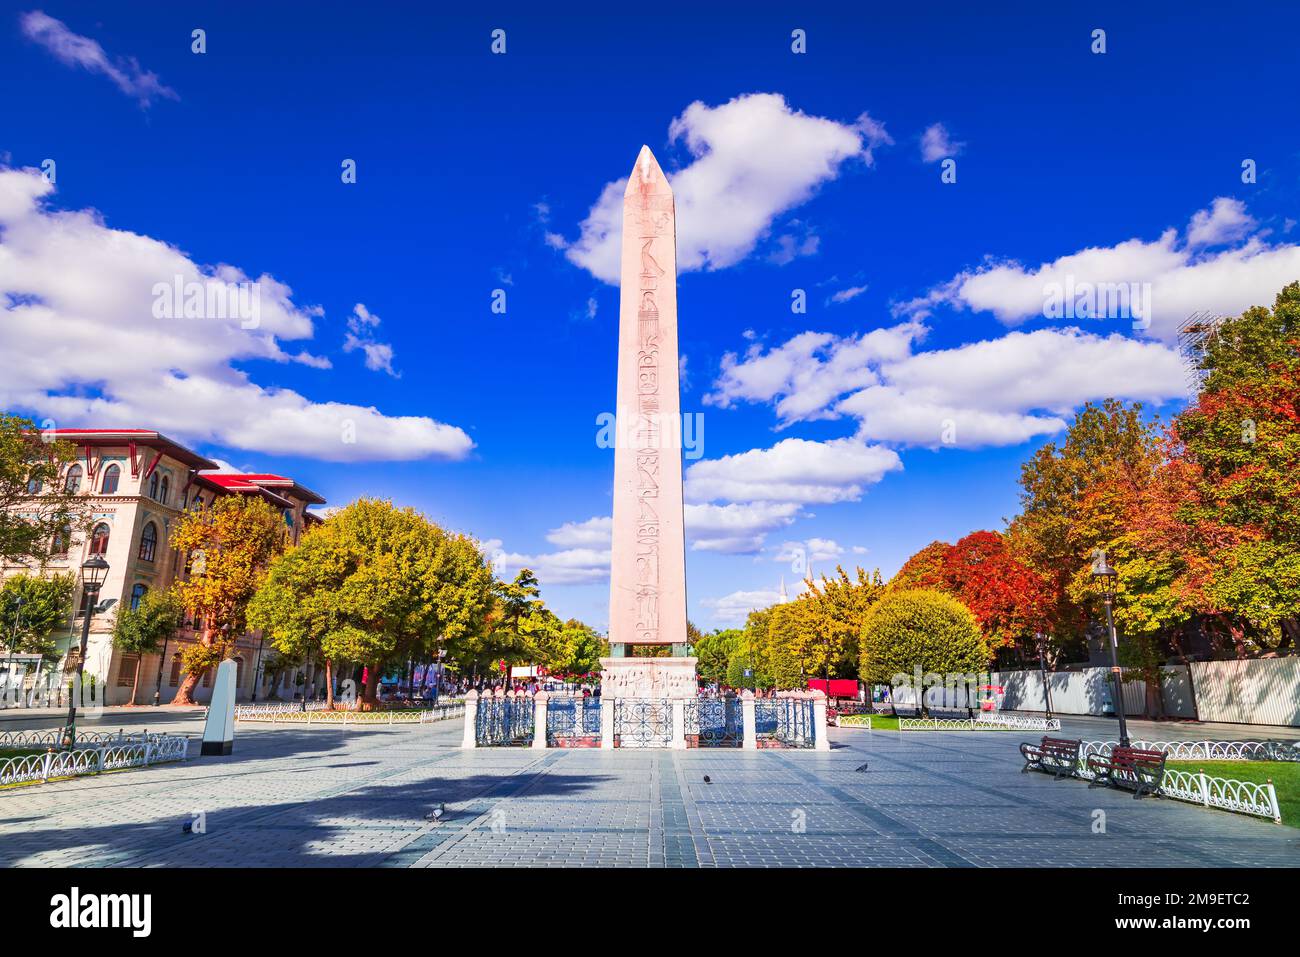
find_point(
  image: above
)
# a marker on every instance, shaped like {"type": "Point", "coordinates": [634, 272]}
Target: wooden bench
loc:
{"type": "Point", "coordinates": [1139, 770]}
{"type": "Point", "coordinates": [1057, 756]}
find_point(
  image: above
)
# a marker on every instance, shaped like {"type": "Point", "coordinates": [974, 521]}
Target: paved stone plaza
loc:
{"type": "Point", "coordinates": [325, 797]}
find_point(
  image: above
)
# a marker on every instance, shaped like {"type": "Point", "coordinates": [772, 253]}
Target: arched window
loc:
{"type": "Point", "coordinates": [112, 475]}
{"type": "Point", "coordinates": [148, 541]}
{"type": "Point", "coordinates": [59, 548]}
{"type": "Point", "coordinates": [153, 486]}
{"type": "Point", "coordinates": [175, 678]}
{"type": "Point", "coordinates": [72, 483]}
{"type": "Point", "coordinates": [197, 502]}
{"type": "Point", "coordinates": [239, 673]}
{"type": "Point", "coordinates": [33, 486]}
{"type": "Point", "coordinates": [99, 539]}
{"type": "Point", "coordinates": [137, 593]}
{"type": "Point", "coordinates": [164, 490]}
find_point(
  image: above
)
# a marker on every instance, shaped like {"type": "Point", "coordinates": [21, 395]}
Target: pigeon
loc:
{"type": "Point", "coordinates": [706, 779]}
{"type": "Point", "coordinates": [436, 814]}
{"type": "Point", "coordinates": [860, 768]}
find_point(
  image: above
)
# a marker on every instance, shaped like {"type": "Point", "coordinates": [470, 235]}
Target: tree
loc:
{"type": "Point", "coordinates": [925, 629]}
{"type": "Point", "coordinates": [713, 653]}
{"type": "Point", "coordinates": [922, 570]}
{"type": "Point", "coordinates": [837, 608]}
{"type": "Point", "coordinates": [32, 608]}
{"type": "Point", "coordinates": [141, 630]}
{"type": "Point", "coordinates": [38, 510]}
{"type": "Point", "coordinates": [377, 585]}
{"type": "Point", "coordinates": [1074, 499]}
{"type": "Point", "coordinates": [1241, 443]}
{"type": "Point", "coordinates": [229, 544]}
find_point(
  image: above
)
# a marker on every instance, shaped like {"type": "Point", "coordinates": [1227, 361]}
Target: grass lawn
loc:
{"type": "Point", "coordinates": [879, 722]}
{"type": "Point", "coordinates": [1285, 776]}
{"type": "Point", "coordinates": [7, 753]}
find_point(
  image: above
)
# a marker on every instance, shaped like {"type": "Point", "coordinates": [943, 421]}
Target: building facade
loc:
{"type": "Point", "coordinates": [137, 484]}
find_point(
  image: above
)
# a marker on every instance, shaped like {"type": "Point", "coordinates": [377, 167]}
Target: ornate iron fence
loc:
{"type": "Point", "coordinates": [643, 723]}
{"type": "Point", "coordinates": [785, 722]}
{"type": "Point", "coordinates": [714, 722]}
{"type": "Point", "coordinates": [572, 722]}
{"type": "Point", "coordinates": [504, 721]}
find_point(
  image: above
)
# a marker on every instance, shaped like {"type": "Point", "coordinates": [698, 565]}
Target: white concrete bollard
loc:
{"type": "Point", "coordinates": [820, 741]}
{"type": "Point", "coordinates": [749, 721]}
{"type": "Point", "coordinates": [471, 718]}
{"type": "Point", "coordinates": [539, 719]}
{"type": "Point", "coordinates": [606, 723]}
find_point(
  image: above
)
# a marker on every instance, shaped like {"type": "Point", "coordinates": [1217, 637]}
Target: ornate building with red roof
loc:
{"type": "Point", "coordinates": [138, 483]}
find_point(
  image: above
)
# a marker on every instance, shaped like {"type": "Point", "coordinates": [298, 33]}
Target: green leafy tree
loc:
{"type": "Point", "coordinates": [32, 609]}
{"type": "Point", "coordinates": [39, 511]}
{"type": "Point", "coordinates": [140, 631]}
{"type": "Point", "coordinates": [921, 628]}
{"type": "Point", "coordinates": [389, 587]}
{"type": "Point", "coordinates": [713, 652]}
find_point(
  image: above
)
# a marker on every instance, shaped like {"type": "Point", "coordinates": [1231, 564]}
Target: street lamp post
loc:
{"type": "Point", "coordinates": [93, 572]}
{"type": "Point", "coordinates": [1106, 576]}
{"type": "Point", "coordinates": [162, 663]}
{"type": "Point", "coordinates": [1042, 667]}
{"type": "Point", "coordinates": [13, 640]}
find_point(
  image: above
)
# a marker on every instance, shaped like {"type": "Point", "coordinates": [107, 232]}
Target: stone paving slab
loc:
{"type": "Point", "coordinates": [301, 797]}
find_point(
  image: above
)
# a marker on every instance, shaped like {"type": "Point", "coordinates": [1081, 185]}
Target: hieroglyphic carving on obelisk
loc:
{"type": "Point", "coordinates": [647, 603]}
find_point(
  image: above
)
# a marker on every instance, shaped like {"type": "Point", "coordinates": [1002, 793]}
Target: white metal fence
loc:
{"type": "Point", "coordinates": [1227, 794]}
{"type": "Point", "coordinates": [293, 714]}
{"type": "Point", "coordinates": [1000, 722]}
{"type": "Point", "coordinates": [93, 759]}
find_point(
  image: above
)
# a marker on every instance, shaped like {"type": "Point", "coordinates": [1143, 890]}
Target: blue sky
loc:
{"type": "Point", "coordinates": [476, 172]}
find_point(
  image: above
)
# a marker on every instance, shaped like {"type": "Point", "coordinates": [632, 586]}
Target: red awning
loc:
{"type": "Point", "coordinates": [840, 687]}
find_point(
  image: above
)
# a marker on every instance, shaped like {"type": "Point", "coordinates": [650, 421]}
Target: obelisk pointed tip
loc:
{"type": "Point", "coordinates": [646, 175]}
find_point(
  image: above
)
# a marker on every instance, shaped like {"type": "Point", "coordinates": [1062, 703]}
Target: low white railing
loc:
{"type": "Point", "coordinates": [290, 714]}
{"type": "Point", "coordinates": [53, 739]}
{"type": "Point", "coordinates": [1243, 797]}
{"type": "Point", "coordinates": [1003, 723]}
{"type": "Point", "coordinates": [1213, 750]}
{"type": "Point", "coordinates": [1020, 722]}
{"type": "Point", "coordinates": [93, 759]}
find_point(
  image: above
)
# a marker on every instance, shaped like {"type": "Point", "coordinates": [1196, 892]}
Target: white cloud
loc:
{"type": "Point", "coordinates": [361, 326]}
{"type": "Point", "coordinates": [937, 144]}
{"type": "Point", "coordinates": [995, 392]}
{"type": "Point", "coordinates": [571, 566]}
{"type": "Point", "coordinates": [72, 49]}
{"type": "Point", "coordinates": [754, 158]}
{"type": "Point", "coordinates": [737, 528]}
{"type": "Point", "coordinates": [793, 470]}
{"type": "Point", "coordinates": [808, 372]}
{"type": "Point", "coordinates": [595, 531]}
{"type": "Point", "coordinates": [732, 610]}
{"type": "Point", "coordinates": [69, 283]}
{"type": "Point", "coordinates": [844, 295]}
{"type": "Point", "coordinates": [813, 550]}
{"type": "Point", "coordinates": [1226, 221]}
{"type": "Point", "coordinates": [1183, 278]}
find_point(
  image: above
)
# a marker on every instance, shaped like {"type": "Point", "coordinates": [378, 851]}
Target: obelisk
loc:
{"type": "Point", "coordinates": [647, 592]}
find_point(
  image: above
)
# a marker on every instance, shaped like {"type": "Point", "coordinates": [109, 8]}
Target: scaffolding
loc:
{"type": "Point", "coordinates": [1194, 336]}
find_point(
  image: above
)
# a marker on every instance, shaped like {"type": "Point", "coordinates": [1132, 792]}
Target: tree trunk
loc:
{"type": "Point", "coordinates": [135, 681]}
{"type": "Point", "coordinates": [185, 693]}
{"type": "Point", "coordinates": [329, 685]}
{"type": "Point", "coordinates": [370, 698]}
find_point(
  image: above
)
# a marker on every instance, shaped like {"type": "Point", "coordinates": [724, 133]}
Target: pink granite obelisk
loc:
{"type": "Point", "coordinates": [647, 594]}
